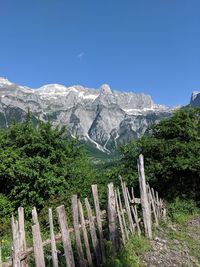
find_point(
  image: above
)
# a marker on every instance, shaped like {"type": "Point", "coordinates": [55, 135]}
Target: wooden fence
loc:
{"type": "Point", "coordinates": [125, 216]}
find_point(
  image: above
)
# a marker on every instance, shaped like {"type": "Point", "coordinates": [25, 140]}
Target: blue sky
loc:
{"type": "Point", "coordinates": [150, 46]}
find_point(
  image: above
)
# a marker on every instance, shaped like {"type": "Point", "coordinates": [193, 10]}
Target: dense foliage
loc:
{"type": "Point", "coordinates": [40, 165]}
{"type": "Point", "coordinates": [171, 150]}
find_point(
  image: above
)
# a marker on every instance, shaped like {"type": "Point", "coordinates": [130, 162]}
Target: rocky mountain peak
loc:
{"type": "Point", "coordinates": [4, 81]}
{"type": "Point", "coordinates": [195, 99]}
{"type": "Point", "coordinates": [102, 118]}
{"type": "Point", "coordinates": [105, 89]}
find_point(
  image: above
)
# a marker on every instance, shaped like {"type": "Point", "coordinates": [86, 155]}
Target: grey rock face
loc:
{"type": "Point", "coordinates": [102, 117]}
{"type": "Point", "coordinates": [195, 99]}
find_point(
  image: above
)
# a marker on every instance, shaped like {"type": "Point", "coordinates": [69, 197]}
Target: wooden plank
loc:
{"type": "Point", "coordinates": [148, 196]}
{"type": "Point", "coordinates": [132, 193]}
{"type": "Point", "coordinates": [154, 200]}
{"type": "Point", "coordinates": [128, 210]}
{"type": "Point", "coordinates": [122, 212]}
{"type": "Point", "coordinates": [95, 242]}
{"type": "Point", "coordinates": [158, 205]}
{"type": "Point", "coordinates": [62, 219]}
{"type": "Point", "coordinates": [112, 216]}
{"type": "Point", "coordinates": [144, 198]}
{"type": "Point", "coordinates": [120, 219]}
{"type": "Point", "coordinates": [37, 240]}
{"type": "Point", "coordinates": [85, 235]}
{"type": "Point", "coordinates": [99, 221]}
{"type": "Point", "coordinates": [134, 211]}
{"type": "Point", "coordinates": [77, 232]}
{"type": "Point", "coordinates": [37, 246]}
{"type": "Point", "coordinates": [34, 215]}
{"type": "Point", "coordinates": [22, 237]}
{"type": "Point", "coordinates": [15, 243]}
{"type": "Point", "coordinates": [53, 241]}
{"type": "Point", "coordinates": [154, 208]}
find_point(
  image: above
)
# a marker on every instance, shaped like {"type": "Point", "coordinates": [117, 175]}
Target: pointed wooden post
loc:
{"type": "Point", "coordinates": [122, 212]}
{"type": "Point", "coordinates": [53, 241]}
{"type": "Point", "coordinates": [77, 231]}
{"type": "Point", "coordinates": [15, 243]}
{"type": "Point", "coordinates": [112, 219]}
{"type": "Point", "coordinates": [95, 241]}
{"type": "Point", "coordinates": [22, 237]}
{"type": "Point", "coordinates": [127, 205]}
{"type": "Point", "coordinates": [98, 217]}
{"type": "Point", "coordinates": [85, 235]}
{"type": "Point", "coordinates": [62, 218]}
{"type": "Point", "coordinates": [120, 218]}
{"type": "Point", "coordinates": [144, 198]}
{"type": "Point", "coordinates": [37, 241]}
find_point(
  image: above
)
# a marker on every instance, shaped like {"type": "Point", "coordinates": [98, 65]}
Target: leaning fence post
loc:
{"type": "Point", "coordinates": [112, 218]}
{"type": "Point", "coordinates": [95, 242]}
{"type": "Point", "coordinates": [15, 243]}
{"type": "Point", "coordinates": [77, 231]}
{"type": "Point", "coordinates": [53, 242]}
{"type": "Point", "coordinates": [144, 198]}
{"type": "Point", "coordinates": [120, 219]}
{"type": "Point", "coordinates": [65, 236]}
{"type": "Point", "coordinates": [85, 235]}
{"type": "Point", "coordinates": [98, 217]}
{"type": "Point", "coordinates": [22, 238]}
{"type": "Point", "coordinates": [37, 241]}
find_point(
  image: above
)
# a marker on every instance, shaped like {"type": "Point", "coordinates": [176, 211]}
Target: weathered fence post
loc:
{"type": "Point", "coordinates": [53, 242]}
{"type": "Point", "coordinates": [65, 236]}
{"type": "Point", "coordinates": [144, 198]}
{"type": "Point", "coordinates": [95, 242]}
{"type": "Point", "coordinates": [128, 209]}
{"type": "Point", "coordinates": [15, 243]}
{"type": "Point", "coordinates": [120, 219]}
{"type": "Point", "coordinates": [153, 206]}
{"type": "Point", "coordinates": [98, 217]}
{"type": "Point", "coordinates": [37, 241]}
{"type": "Point", "coordinates": [122, 212]}
{"type": "Point", "coordinates": [22, 238]}
{"type": "Point", "coordinates": [77, 231]}
{"type": "Point", "coordinates": [112, 219]}
{"type": "Point", "coordinates": [85, 235]}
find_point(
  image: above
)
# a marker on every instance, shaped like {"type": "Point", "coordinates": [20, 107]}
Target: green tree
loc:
{"type": "Point", "coordinates": [40, 164]}
{"type": "Point", "coordinates": [171, 150]}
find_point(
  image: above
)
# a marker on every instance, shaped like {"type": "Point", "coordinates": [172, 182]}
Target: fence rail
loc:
{"type": "Point", "coordinates": [126, 215]}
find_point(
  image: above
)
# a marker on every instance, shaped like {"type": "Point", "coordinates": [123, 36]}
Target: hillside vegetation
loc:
{"type": "Point", "coordinates": [41, 166]}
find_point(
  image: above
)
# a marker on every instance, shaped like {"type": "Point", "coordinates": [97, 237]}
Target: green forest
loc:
{"type": "Point", "coordinates": [42, 166]}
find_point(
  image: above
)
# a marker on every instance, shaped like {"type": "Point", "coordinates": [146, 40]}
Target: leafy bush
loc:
{"type": "Point", "coordinates": [41, 163]}
{"type": "Point", "coordinates": [171, 151]}
{"type": "Point", "coordinates": [180, 210]}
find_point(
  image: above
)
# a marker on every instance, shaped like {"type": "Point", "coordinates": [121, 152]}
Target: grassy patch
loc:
{"type": "Point", "coordinates": [129, 255]}
{"type": "Point", "coordinates": [182, 210]}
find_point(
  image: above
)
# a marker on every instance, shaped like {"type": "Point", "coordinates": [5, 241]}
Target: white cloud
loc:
{"type": "Point", "coordinates": [80, 55]}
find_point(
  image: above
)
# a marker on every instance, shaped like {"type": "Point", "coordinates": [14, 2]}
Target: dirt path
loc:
{"type": "Point", "coordinates": [175, 245]}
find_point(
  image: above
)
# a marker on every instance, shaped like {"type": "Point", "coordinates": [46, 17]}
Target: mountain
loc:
{"type": "Point", "coordinates": [103, 118]}
{"type": "Point", "coordinates": [195, 99]}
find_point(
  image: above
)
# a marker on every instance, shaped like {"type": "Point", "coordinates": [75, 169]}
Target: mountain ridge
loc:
{"type": "Point", "coordinates": [103, 117]}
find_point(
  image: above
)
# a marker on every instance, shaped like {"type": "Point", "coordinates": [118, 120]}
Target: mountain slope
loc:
{"type": "Point", "coordinates": [102, 117]}
{"type": "Point", "coordinates": [195, 99]}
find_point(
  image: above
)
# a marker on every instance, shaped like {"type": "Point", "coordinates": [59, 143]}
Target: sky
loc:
{"type": "Point", "coordinates": [149, 46]}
